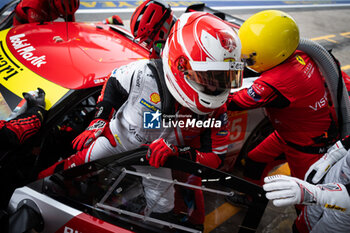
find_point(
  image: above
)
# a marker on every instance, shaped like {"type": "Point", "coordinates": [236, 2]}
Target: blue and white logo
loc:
{"type": "Point", "coordinates": [151, 120]}
{"type": "Point", "coordinates": [252, 93]}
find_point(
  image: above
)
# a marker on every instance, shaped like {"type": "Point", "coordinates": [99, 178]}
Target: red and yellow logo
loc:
{"type": "Point", "coordinates": [300, 60]}
{"type": "Point", "coordinates": [17, 78]}
{"type": "Point", "coordinates": [155, 98]}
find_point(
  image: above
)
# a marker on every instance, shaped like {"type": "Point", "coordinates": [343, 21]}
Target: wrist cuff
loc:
{"type": "Point", "coordinates": [35, 110]}
{"type": "Point", "coordinates": [104, 111]}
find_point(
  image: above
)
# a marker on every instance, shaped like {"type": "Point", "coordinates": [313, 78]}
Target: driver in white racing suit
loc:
{"type": "Point", "coordinates": [326, 204]}
{"type": "Point", "coordinates": [192, 82]}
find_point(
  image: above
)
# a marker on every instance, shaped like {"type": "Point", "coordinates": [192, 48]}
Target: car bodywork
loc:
{"type": "Point", "coordinates": [107, 196]}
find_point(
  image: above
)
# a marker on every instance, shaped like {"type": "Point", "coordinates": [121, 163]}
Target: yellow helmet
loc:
{"type": "Point", "coordinates": [268, 38]}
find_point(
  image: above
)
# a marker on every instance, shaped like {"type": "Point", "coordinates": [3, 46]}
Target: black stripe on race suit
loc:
{"type": "Point", "coordinates": [114, 96]}
{"type": "Point", "coordinates": [167, 100]}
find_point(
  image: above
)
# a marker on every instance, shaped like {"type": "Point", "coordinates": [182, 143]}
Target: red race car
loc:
{"type": "Point", "coordinates": [71, 61]}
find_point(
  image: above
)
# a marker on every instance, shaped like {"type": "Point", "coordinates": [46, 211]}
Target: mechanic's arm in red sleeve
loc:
{"type": "Point", "coordinates": [260, 94]}
{"type": "Point", "coordinates": [33, 16]}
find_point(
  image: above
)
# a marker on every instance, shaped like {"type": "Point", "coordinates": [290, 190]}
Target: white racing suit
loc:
{"type": "Point", "coordinates": [134, 90]}
{"type": "Point", "coordinates": [319, 219]}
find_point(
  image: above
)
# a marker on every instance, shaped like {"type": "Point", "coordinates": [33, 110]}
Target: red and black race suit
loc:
{"type": "Point", "coordinates": [297, 103]}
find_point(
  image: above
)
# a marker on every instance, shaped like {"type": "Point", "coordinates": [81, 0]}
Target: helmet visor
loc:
{"type": "Point", "coordinates": [215, 77]}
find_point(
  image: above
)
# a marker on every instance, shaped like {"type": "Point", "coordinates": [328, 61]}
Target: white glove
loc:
{"type": "Point", "coordinates": [286, 190]}
{"type": "Point", "coordinates": [321, 167]}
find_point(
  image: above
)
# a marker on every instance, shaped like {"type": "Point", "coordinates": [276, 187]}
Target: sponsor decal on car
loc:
{"type": "Point", "coordinates": [70, 230]}
{"type": "Point", "coordinates": [100, 80]}
{"type": "Point", "coordinates": [7, 68]}
{"type": "Point", "coordinates": [26, 50]}
{"type": "Point", "coordinates": [17, 78]}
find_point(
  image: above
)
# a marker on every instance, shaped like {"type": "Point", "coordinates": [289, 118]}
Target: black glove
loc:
{"type": "Point", "coordinates": [35, 103]}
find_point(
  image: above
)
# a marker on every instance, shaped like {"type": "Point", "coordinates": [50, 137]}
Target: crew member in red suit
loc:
{"type": "Point", "coordinates": [24, 124]}
{"type": "Point", "coordinates": [292, 90]}
{"type": "Point", "coordinates": [31, 11]}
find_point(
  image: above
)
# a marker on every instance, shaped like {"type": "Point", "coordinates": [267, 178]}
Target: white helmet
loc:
{"type": "Point", "coordinates": [202, 61]}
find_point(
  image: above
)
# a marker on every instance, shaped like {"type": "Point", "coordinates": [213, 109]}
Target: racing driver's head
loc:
{"type": "Point", "coordinates": [202, 61]}
{"type": "Point", "coordinates": [268, 38]}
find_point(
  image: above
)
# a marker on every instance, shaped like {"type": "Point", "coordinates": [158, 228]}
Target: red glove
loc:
{"type": "Point", "coordinates": [96, 128]}
{"type": "Point", "coordinates": [158, 152]}
{"type": "Point", "coordinates": [115, 19]}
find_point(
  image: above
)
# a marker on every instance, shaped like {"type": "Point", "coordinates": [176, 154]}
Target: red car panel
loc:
{"type": "Point", "coordinates": [85, 53]}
